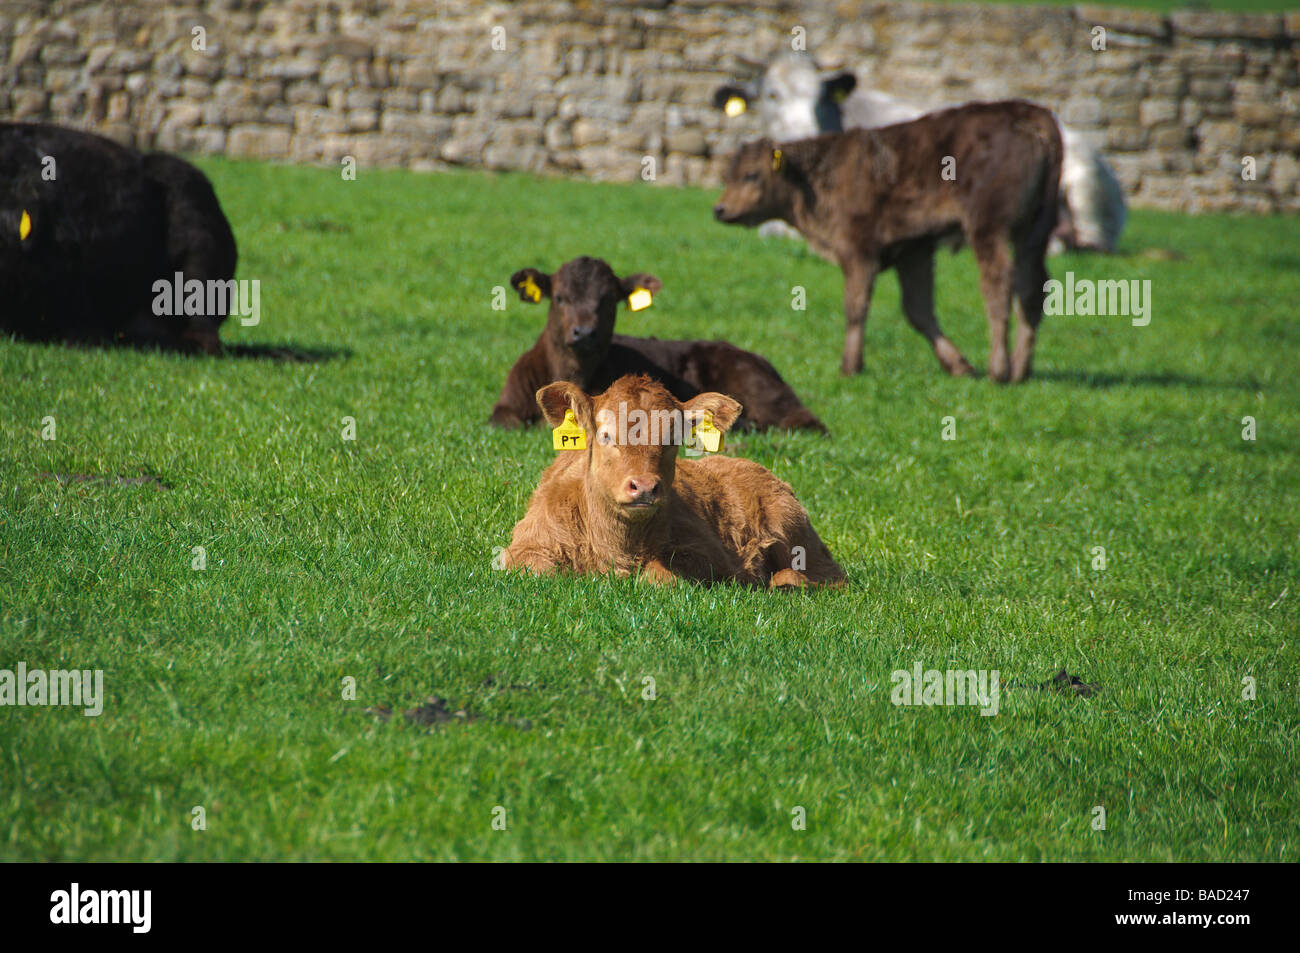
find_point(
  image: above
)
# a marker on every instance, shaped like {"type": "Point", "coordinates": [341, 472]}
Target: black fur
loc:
{"type": "Point", "coordinates": [110, 224]}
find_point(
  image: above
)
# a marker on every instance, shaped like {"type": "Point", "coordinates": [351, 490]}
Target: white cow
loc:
{"type": "Point", "coordinates": [795, 101]}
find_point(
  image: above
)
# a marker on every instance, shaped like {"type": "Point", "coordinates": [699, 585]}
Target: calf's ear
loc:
{"type": "Point", "coordinates": [724, 409]}
{"type": "Point", "coordinates": [838, 87]}
{"type": "Point", "coordinates": [639, 282]}
{"type": "Point", "coordinates": [732, 100]}
{"type": "Point", "coordinates": [556, 398]}
{"type": "Point", "coordinates": [771, 151]}
{"type": "Point", "coordinates": [531, 284]}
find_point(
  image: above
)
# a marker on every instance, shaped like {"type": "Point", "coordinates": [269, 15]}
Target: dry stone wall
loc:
{"type": "Point", "coordinates": [594, 88]}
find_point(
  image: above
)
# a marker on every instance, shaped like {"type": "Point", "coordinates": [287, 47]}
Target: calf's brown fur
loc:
{"type": "Point", "coordinates": [579, 345]}
{"type": "Point", "coordinates": [872, 199]}
{"type": "Point", "coordinates": [627, 506]}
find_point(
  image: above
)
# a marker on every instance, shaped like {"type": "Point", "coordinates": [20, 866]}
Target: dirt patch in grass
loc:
{"type": "Point", "coordinates": [319, 225]}
{"type": "Point", "coordinates": [434, 711]}
{"type": "Point", "coordinates": [1062, 682]}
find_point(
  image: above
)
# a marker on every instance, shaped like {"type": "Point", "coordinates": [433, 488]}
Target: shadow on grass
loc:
{"type": "Point", "coordinates": [286, 353]}
{"type": "Point", "coordinates": [1101, 380]}
{"type": "Point", "coordinates": [276, 353]}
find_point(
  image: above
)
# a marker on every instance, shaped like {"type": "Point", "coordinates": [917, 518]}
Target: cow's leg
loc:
{"type": "Point", "coordinates": [201, 336]}
{"type": "Point", "coordinates": [530, 559]}
{"type": "Point", "coordinates": [995, 285]}
{"type": "Point", "coordinates": [1064, 237]}
{"type": "Point", "coordinates": [656, 573]}
{"type": "Point", "coordinates": [788, 579]}
{"type": "Point", "coordinates": [199, 244]}
{"type": "Point", "coordinates": [801, 559]}
{"type": "Point", "coordinates": [146, 329]}
{"type": "Point", "coordinates": [916, 279]}
{"type": "Point", "coordinates": [180, 333]}
{"type": "Point", "coordinates": [1030, 276]}
{"type": "Point", "coordinates": [768, 400]}
{"type": "Point", "coordinates": [859, 277]}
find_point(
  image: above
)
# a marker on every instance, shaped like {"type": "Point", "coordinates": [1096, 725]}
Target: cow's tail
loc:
{"type": "Point", "coordinates": [1045, 200]}
{"type": "Point", "coordinates": [1047, 136]}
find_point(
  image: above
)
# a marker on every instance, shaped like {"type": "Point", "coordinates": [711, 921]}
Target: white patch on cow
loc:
{"type": "Point", "coordinates": [787, 98]}
{"type": "Point", "coordinates": [1095, 197]}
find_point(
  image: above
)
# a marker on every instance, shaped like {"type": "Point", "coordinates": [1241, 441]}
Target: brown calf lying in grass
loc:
{"type": "Point", "coordinates": [579, 345]}
{"type": "Point", "coordinates": [871, 199]}
{"type": "Point", "coordinates": [626, 503]}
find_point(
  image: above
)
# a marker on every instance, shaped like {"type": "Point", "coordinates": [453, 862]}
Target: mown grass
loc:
{"type": "Point", "coordinates": [372, 559]}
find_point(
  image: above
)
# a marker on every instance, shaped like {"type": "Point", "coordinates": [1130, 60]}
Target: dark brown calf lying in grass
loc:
{"type": "Point", "coordinates": [871, 199]}
{"type": "Point", "coordinates": [626, 503]}
{"type": "Point", "coordinates": [579, 345]}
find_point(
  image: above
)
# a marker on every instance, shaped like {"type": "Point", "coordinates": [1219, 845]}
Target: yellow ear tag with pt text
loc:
{"type": "Point", "coordinates": [639, 299]}
{"type": "Point", "coordinates": [778, 160]}
{"type": "Point", "coordinates": [530, 289]}
{"type": "Point", "coordinates": [24, 226]}
{"type": "Point", "coordinates": [569, 435]}
{"type": "Point", "coordinates": [735, 106]}
{"type": "Point", "coordinates": [710, 437]}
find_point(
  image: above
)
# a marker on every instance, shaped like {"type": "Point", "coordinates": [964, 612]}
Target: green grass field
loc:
{"type": "Point", "coordinates": [372, 559]}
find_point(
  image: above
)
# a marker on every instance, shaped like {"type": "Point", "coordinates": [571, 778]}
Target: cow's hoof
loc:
{"type": "Point", "coordinates": [1022, 366]}
{"type": "Point", "coordinates": [788, 579]}
{"type": "Point", "coordinates": [656, 573]}
{"type": "Point", "coordinates": [999, 368]}
{"type": "Point", "coordinates": [951, 359]}
{"type": "Point", "coordinates": [200, 339]}
{"type": "Point", "coordinates": [801, 419]}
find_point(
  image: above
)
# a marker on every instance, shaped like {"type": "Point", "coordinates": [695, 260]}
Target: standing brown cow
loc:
{"type": "Point", "coordinates": [871, 199]}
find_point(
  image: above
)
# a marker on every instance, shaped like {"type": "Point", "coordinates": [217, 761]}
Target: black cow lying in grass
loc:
{"type": "Point", "coordinates": [579, 345]}
{"type": "Point", "coordinates": [89, 227]}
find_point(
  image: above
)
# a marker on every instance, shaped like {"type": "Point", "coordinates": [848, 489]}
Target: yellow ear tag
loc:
{"type": "Point", "coordinates": [639, 299]}
{"type": "Point", "coordinates": [569, 435]}
{"type": "Point", "coordinates": [24, 226]}
{"type": "Point", "coordinates": [735, 106]}
{"type": "Point", "coordinates": [530, 288]}
{"type": "Point", "coordinates": [710, 437]}
{"type": "Point", "coordinates": [778, 160]}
